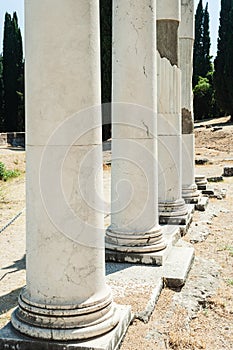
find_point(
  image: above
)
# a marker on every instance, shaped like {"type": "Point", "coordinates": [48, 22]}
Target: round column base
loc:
{"type": "Point", "coordinates": [140, 242]}
{"type": "Point", "coordinates": [64, 322]}
{"type": "Point", "coordinates": [200, 180]}
{"type": "Point", "coordinates": [173, 209]}
{"type": "Point", "coordinates": [190, 193]}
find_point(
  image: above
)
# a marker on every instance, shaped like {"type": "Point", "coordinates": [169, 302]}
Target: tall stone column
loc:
{"type": "Point", "coordinates": [134, 225]}
{"type": "Point", "coordinates": [66, 297]}
{"type": "Point", "coordinates": [186, 41]}
{"type": "Point", "coordinates": [172, 207]}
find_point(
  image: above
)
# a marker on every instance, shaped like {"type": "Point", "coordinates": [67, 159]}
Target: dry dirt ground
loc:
{"type": "Point", "coordinates": [200, 315]}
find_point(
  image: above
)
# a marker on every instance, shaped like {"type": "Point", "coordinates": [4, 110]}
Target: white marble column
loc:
{"type": "Point", "coordinates": [134, 214]}
{"type": "Point", "coordinates": [66, 296]}
{"type": "Point", "coordinates": [172, 207]}
{"type": "Point", "coordinates": [186, 41]}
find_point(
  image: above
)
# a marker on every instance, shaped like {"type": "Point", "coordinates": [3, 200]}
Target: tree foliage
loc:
{"type": "Point", "coordinates": [197, 53]}
{"type": "Point", "coordinates": [206, 43]}
{"type": "Point", "coordinates": [1, 98]}
{"type": "Point", "coordinates": [229, 63]}
{"type": "Point", "coordinates": [13, 81]}
{"type": "Point", "coordinates": [106, 64]}
{"type": "Point", "coordinates": [223, 63]}
{"type": "Point", "coordinates": [201, 57]}
{"type": "Point", "coordinates": [203, 98]}
{"type": "Point", "coordinates": [203, 69]}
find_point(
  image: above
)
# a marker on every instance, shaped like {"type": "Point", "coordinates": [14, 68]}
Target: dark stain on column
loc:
{"type": "Point", "coordinates": [187, 122]}
{"type": "Point", "coordinates": [167, 40]}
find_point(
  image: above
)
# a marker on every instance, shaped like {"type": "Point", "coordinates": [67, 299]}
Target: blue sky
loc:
{"type": "Point", "coordinates": [17, 5]}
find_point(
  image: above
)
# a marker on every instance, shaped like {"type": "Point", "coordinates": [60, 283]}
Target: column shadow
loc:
{"type": "Point", "coordinates": [10, 300]}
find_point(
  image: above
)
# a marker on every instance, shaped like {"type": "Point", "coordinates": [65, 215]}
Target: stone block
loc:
{"type": "Point", "coordinates": [201, 161]}
{"type": "Point", "coordinates": [201, 187]}
{"type": "Point", "coordinates": [178, 266]}
{"type": "Point", "coordinates": [215, 179]}
{"type": "Point", "coordinates": [202, 204]}
{"type": "Point", "coordinates": [208, 192]}
{"type": "Point", "coordinates": [228, 171]}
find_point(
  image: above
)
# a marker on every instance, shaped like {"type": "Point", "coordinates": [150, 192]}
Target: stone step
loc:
{"type": "Point", "coordinates": [177, 266]}
{"type": "Point", "coordinates": [152, 279]}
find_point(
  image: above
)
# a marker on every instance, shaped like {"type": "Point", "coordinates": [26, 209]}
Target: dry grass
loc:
{"type": "Point", "coordinates": [180, 336]}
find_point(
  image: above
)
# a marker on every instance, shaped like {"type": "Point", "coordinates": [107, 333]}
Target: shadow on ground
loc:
{"type": "Point", "coordinates": [9, 301]}
{"type": "Point", "coordinates": [17, 265]}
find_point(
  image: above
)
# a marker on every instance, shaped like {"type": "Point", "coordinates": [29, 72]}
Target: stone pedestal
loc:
{"type": "Point", "coordinates": [134, 213]}
{"type": "Point", "coordinates": [172, 207]}
{"type": "Point", "coordinates": [66, 297]}
{"type": "Point", "coordinates": [186, 41]}
{"type": "Point", "coordinates": [201, 182]}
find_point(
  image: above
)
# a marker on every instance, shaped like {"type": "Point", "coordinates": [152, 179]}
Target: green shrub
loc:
{"type": "Point", "coordinates": [7, 174]}
{"type": "Point", "coordinates": [2, 170]}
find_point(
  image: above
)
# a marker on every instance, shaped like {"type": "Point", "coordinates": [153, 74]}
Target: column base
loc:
{"type": "Point", "coordinates": [68, 322]}
{"type": "Point", "coordinates": [190, 194]}
{"type": "Point", "coordinates": [184, 221]}
{"type": "Point", "coordinates": [140, 242]}
{"type": "Point", "coordinates": [201, 182]}
{"type": "Point", "coordinates": [11, 339]}
{"type": "Point", "coordinates": [173, 213]}
{"type": "Point", "coordinates": [114, 253]}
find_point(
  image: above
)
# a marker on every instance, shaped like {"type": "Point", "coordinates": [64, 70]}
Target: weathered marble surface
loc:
{"type": "Point", "coordinates": [134, 214]}
{"type": "Point", "coordinates": [186, 42]}
{"type": "Point", "coordinates": [168, 10]}
{"type": "Point", "coordinates": [168, 18]}
{"type": "Point", "coordinates": [169, 140]}
{"type": "Point", "coordinates": [66, 296]}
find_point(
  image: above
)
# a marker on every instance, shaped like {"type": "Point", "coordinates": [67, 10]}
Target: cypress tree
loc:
{"type": "Point", "coordinates": [229, 64]}
{"type": "Point", "coordinates": [12, 73]}
{"type": "Point", "coordinates": [1, 98]}
{"type": "Point", "coordinates": [106, 64]}
{"type": "Point", "coordinates": [198, 45]}
{"type": "Point", "coordinates": [20, 75]}
{"type": "Point", "coordinates": [9, 76]}
{"type": "Point", "coordinates": [223, 62]}
{"type": "Point", "coordinates": [203, 68]}
{"type": "Point", "coordinates": [206, 43]}
{"type": "Point", "coordinates": [21, 100]}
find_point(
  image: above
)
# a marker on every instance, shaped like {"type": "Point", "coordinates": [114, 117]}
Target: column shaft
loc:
{"type": "Point", "coordinates": [186, 41]}
{"type": "Point", "coordinates": [66, 296]}
{"type": "Point", "coordinates": [134, 218]}
{"type": "Point", "coordinates": [171, 205]}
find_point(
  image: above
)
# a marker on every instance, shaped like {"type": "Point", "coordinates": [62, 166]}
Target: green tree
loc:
{"type": "Point", "coordinates": [206, 43]}
{"type": "Point", "coordinates": [106, 64]}
{"type": "Point", "coordinates": [198, 44]}
{"type": "Point", "coordinates": [201, 56]}
{"type": "Point", "coordinates": [21, 101]}
{"type": "Point", "coordinates": [229, 64]}
{"type": "Point", "coordinates": [203, 68]}
{"type": "Point", "coordinates": [223, 62]}
{"type": "Point", "coordinates": [203, 98]}
{"type": "Point", "coordinates": [20, 76]}
{"type": "Point", "coordinates": [1, 98]}
{"type": "Point", "coordinates": [13, 75]}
